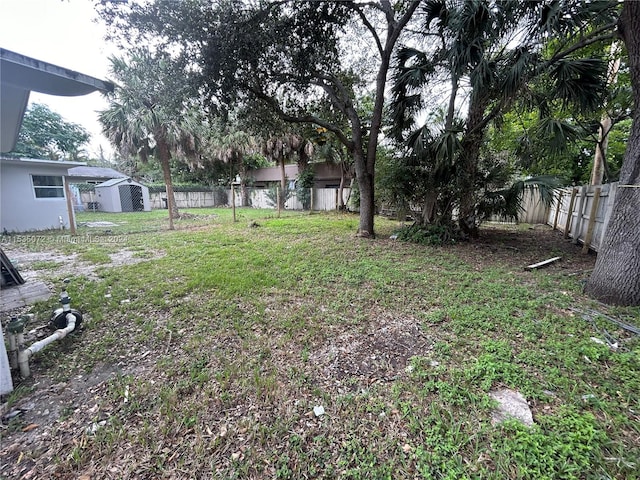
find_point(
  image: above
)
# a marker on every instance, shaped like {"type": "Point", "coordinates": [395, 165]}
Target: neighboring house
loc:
{"type": "Point", "coordinates": [122, 195]}
{"type": "Point", "coordinates": [79, 176]}
{"type": "Point", "coordinates": [33, 194]}
{"type": "Point", "coordinates": [95, 175]}
{"type": "Point", "coordinates": [326, 175]}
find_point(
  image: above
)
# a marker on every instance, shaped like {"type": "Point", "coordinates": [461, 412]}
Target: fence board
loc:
{"type": "Point", "coordinates": [579, 211]}
{"type": "Point", "coordinates": [323, 199]}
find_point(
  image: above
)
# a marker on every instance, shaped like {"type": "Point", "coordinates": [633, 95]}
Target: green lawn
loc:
{"type": "Point", "coordinates": [225, 336]}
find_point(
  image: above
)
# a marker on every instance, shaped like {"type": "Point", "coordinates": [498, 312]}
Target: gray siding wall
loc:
{"type": "Point", "coordinates": [20, 210]}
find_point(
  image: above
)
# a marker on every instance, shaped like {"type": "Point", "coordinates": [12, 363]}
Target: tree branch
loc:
{"type": "Point", "coordinates": [594, 38]}
{"type": "Point", "coordinates": [307, 118]}
{"type": "Point", "coordinates": [369, 26]}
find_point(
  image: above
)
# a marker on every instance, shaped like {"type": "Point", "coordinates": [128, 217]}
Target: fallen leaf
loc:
{"type": "Point", "coordinates": [30, 427]}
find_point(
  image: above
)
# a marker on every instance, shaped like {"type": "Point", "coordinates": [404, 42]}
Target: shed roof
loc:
{"type": "Point", "coordinates": [116, 181]}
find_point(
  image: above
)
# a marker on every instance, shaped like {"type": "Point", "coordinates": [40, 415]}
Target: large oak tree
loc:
{"type": "Point", "coordinates": [287, 55]}
{"type": "Point", "coordinates": [616, 276]}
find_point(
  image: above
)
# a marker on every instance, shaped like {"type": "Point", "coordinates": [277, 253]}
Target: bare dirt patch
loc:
{"type": "Point", "coordinates": [69, 264]}
{"type": "Point", "coordinates": [517, 246]}
{"type": "Point", "coordinates": [381, 353]}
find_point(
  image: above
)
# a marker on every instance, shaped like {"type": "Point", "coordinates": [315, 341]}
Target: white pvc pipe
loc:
{"type": "Point", "coordinates": [24, 355]}
{"type": "Point", "coordinates": [13, 349]}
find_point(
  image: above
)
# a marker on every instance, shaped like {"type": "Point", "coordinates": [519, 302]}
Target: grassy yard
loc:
{"type": "Point", "coordinates": [204, 353]}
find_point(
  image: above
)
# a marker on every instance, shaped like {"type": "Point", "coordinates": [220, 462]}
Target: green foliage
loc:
{"type": "Point", "coordinates": [486, 46]}
{"type": "Point", "coordinates": [562, 446]}
{"type": "Point", "coordinates": [303, 186]}
{"type": "Point", "coordinates": [45, 134]}
{"type": "Point", "coordinates": [558, 147]}
{"type": "Point", "coordinates": [276, 189]}
{"type": "Point", "coordinates": [428, 234]}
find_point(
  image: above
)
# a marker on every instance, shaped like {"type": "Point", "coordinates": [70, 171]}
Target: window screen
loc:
{"type": "Point", "coordinates": [48, 186]}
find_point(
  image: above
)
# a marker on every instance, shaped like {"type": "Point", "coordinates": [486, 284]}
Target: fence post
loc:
{"type": "Point", "coordinates": [577, 227]}
{"type": "Point", "coordinates": [592, 220]}
{"type": "Point", "coordinates": [278, 199]}
{"type": "Point", "coordinates": [558, 205]}
{"type": "Point", "coordinates": [311, 193]}
{"type": "Point", "coordinates": [572, 202]}
{"type": "Point", "coordinates": [233, 202]}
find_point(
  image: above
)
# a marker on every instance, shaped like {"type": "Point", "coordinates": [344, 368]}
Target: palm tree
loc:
{"type": "Point", "coordinates": [491, 52]}
{"type": "Point", "coordinates": [282, 149]}
{"type": "Point", "coordinates": [149, 113]}
{"type": "Point", "coordinates": [235, 147]}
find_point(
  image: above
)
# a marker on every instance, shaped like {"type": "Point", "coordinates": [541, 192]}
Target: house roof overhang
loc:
{"type": "Point", "coordinates": [63, 165]}
{"type": "Point", "coordinates": [19, 75]}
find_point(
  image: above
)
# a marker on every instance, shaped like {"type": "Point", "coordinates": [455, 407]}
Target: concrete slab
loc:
{"type": "Point", "coordinates": [20, 295]}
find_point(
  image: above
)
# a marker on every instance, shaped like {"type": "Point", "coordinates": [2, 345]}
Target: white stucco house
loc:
{"type": "Point", "coordinates": [32, 192]}
{"type": "Point", "coordinates": [33, 195]}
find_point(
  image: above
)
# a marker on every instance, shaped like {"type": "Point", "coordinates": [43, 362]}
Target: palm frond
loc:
{"type": "Point", "coordinates": [580, 81]}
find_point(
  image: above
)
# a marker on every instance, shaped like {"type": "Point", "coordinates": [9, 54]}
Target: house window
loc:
{"type": "Point", "coordinates": [48, 186]}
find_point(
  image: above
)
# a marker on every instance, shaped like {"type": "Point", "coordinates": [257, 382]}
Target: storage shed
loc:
{"type": "Point", "coordinates": [122, 195]}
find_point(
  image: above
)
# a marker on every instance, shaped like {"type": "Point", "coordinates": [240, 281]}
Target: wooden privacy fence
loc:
{"type": "Point", "coordinates": [323, 199]}
{"type": "Point", "coordinates": [583, 213]}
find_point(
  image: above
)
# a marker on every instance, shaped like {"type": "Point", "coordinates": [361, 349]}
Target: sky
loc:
{"type": "Point", "coordinates": [65, 33]}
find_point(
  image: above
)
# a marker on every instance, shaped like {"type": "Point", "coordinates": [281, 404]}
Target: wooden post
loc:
{"type": "Point", "coordinates": [311, 193]}
{"type": "Point", "coordinates": [592, 221]}
{"type": "Point", "coordinates": [278, 199]}
{"type": "Point", "coordinates": [567, 225]}
{"type": "Point", "coordinates": [233, 202]}
{"type": "Point", "coordinates": [72, 218]}
{"type": "Point", "coordinates": [558, 205]}
{"type": "Point", "coordinates": [577, 227]}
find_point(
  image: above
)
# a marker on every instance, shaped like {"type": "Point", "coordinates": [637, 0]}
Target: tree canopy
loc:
{"type": "Point", "coordinates": [45, 134]}
{"type": "Point", "coordinates": [287, 56]}
{"type": "Point", "coordinates": [493, 56]}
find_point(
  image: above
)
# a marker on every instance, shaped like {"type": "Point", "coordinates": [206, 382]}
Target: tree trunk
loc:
{"type": "Point", "coordinates": [597, 173]}
{"type": "Point", "coordinates": [163, 153]}
{"type": "Point", "coordinates": [600, 157]}
{"type": "Point", "coordinates": [283, 176]}
{"type": "Point", "coordinates": [283, 184]}
{"type": "Point", "coordinates": [467, 170]}
{"type": "Point", "coordinates": [244, 194]}
{"type": "Point", "coordinates": [341, 188]}
{"type": "Point", "coordinates": [616, 276]}
{"type": "Point", "coordinates": [429, 207]}
{"type": "Point", "coordinates": [365, 186]}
